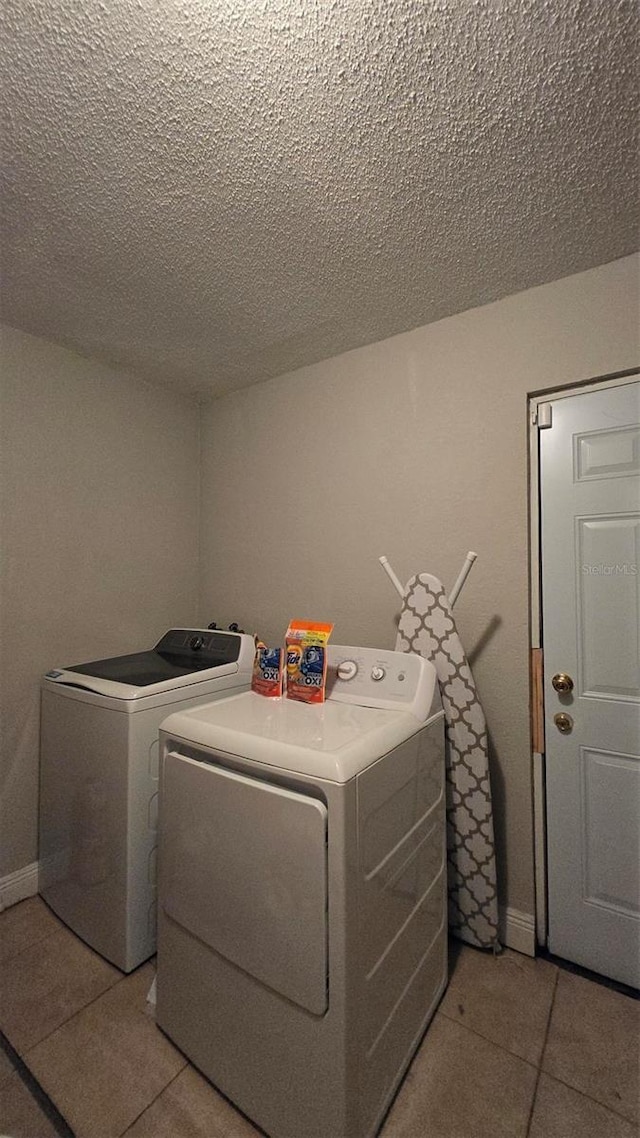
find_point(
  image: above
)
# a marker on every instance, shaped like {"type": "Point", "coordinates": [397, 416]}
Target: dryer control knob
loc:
{"type": "Point", "coordinates": [347, 669]}
{"type": "Point", "coordinates": [378, 673]}
{"type": "Point", "coordinates": [196, 643]}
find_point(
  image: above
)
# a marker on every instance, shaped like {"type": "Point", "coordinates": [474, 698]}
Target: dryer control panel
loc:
{"type": "Point", "coordinates": [375, 677]}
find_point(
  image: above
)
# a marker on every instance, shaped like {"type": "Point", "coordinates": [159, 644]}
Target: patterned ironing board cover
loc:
{"type": "Point", "coordinates": [428, 628]}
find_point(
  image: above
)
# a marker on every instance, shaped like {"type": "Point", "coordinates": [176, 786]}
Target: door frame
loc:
{"type": "Point", "coordinates": [534, 402]}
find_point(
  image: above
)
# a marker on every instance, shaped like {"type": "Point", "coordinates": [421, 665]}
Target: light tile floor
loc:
{"type": "Point", "coordinates": [518, 1049]}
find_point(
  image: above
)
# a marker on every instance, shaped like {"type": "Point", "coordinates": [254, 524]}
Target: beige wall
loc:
{"type": "Point", "coordinates": [415, 447]}
{"type": "Point", "coordinates": [99, 515]}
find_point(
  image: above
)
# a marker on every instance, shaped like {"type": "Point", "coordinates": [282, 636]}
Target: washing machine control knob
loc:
{"type": "Point", "coordinates": [196, 643]}
{"type": "Point", "coordinates": [347, 669]}
{"type": "Point", "coordinates": [377, 672]}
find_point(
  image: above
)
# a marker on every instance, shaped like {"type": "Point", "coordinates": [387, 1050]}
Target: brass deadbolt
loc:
{"type": "Point", "coordinates": [563, 722]}
{"type": "Point", "coordinates": [562, 683]}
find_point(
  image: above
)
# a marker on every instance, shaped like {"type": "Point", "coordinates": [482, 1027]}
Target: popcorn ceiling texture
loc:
{"type": "Point", "coordinates": [210, 194]}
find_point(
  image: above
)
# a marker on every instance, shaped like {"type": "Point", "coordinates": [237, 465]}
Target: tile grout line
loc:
{"type": "Point", "coordinates": [63, 1023]}
{"type": "Point", "coordinates": [538, 1066]}
{"type": "Point", "coordinates": [32, 943]}
{"type": "Point", "coordinates": [24, 1058]}
{"type": "Point", "coordinates": [596, 1101]}
{"type": "Point", "coordinates": [570, 1086]}
{"type": "Point", "coordinates": [544, 1044]}
{"type": "Point", "coordinates": [34, 1088]}
{"type": "Point", "coordinates": [154, 1099]}
{"type": "Point", "coordinates": [486, 1039]}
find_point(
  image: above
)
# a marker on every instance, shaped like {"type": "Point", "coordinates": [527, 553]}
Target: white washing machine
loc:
{"type": "Point", "coordinates": [302, 939]}
{"type": "Point", "coordinates": [99, 780]}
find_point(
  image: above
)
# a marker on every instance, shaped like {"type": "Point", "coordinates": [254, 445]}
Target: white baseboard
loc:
{"type": "Point", "coordinates": [518, 931]}
{"type": "Point", "coordinates": [19, 885]}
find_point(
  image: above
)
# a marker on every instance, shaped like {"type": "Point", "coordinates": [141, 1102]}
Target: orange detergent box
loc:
{"type": "Point", "coordinates": [268, 671]}
{"type": "Point", "coordinates": [307, 660]}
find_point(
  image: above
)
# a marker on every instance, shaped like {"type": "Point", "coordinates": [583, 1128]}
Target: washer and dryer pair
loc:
{"type": "Point", "coordinates": [302, 938]}
{"type": "Point", "coordinates": [302, 941]}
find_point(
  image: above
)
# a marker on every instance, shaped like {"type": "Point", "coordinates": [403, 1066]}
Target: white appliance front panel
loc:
{"type": "Point", "coordinates": [244, 866]}
{"type": "Point", "coordinates": [98, 813]}
{"type": "Point", "coordinates": [83, 831]}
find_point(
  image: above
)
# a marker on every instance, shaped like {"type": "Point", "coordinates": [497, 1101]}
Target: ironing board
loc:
{"type": "Point", "coordinates": [427, 627]}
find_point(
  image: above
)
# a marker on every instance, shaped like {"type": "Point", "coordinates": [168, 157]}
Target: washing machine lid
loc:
{"type": "Point", "coordinates": [333, 741]}
{"type": "Point", "coordinates": [183, 657]}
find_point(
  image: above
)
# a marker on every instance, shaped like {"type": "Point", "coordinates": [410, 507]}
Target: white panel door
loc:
{"type": "Point", "coordinates": [590, 534]}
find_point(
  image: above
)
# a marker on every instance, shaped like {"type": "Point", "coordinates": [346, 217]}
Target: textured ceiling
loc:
{"type": "Point", "coordinates": [211, 192]}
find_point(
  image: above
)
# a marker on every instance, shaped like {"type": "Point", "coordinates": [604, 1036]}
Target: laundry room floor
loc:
{"type": "Point", "coordinates": [519, 1048]}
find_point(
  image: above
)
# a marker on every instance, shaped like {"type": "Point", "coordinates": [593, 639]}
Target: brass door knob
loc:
{"type": "Point", "coordinates": [563, 722]}
{"type": "Point", "coordinates": [562, 683]}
